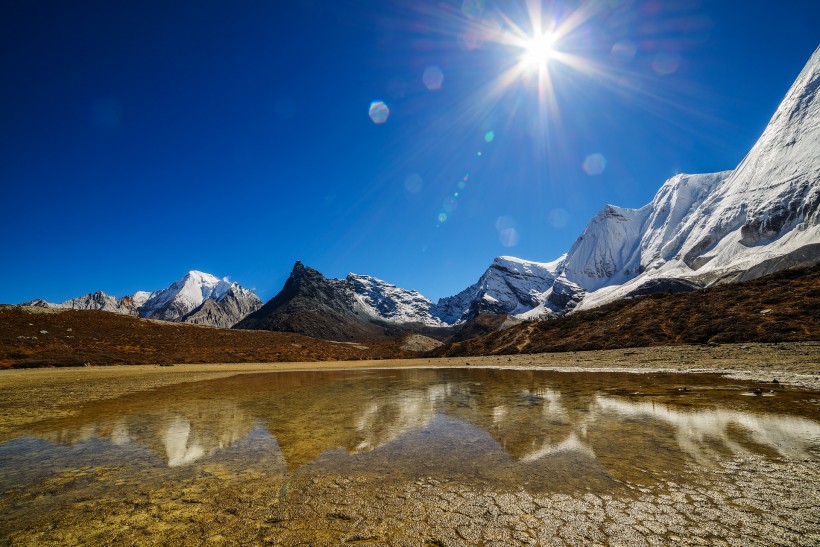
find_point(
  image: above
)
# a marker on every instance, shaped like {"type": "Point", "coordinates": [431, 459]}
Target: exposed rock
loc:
{"type": "Point", "coordinates": [226, 311]}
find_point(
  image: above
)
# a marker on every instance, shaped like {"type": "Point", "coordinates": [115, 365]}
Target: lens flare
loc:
{"type": "Point", "coordinates": [594, 164]}
{"type": "Point", "coordinates": [433, 78]}
{"type": "Point", "coordinates": [665, 63]}
{"type": "Point", "coordinates": [558, 218]}
{"type": "Point", "coordinates": [379, 112]}
{"type": "Point", "coordinates": [624, 50]}
{"type": "Point", "coordinates": [473, 9]}
{"type": "Point", "coordinates": [508, 237]}
{"type": "Point", "coordinates": [413, 183]}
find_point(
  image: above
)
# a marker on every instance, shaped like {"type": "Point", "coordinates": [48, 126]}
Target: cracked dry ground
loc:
{"type": "Point", "coordinates": [744, 501]}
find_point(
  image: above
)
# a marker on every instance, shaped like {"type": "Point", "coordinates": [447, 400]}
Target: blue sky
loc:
{"type": "Point", "coordinates": [139, 142]}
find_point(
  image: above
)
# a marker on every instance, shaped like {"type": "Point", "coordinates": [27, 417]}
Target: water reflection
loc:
{"type": "Point", "coordinates": [696, 432]}
{"type": "Point", "coordinates": [514, 427]}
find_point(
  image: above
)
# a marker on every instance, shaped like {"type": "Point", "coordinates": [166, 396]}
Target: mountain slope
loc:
{"type": "Point", "coordinates": [183, 296]}
{"type": "Point", "coordinates": [97, 301]}
{"type": "Point", "coordinates": [225, 311]}
{"type": "Point", "coordinates": [509, 286]}
{"type": "Point", "coordinates": [780, 307]}
{"type": "Point", "coordinates": [354, 308]}
{"type": "Point", "coordinates": [385, 302]}
{"type": "Point", "coordinates": [38, 337]}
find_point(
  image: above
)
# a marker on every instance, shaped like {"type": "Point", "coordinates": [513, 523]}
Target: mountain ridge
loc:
{"type": "Point", "coordinates": [225, 302]}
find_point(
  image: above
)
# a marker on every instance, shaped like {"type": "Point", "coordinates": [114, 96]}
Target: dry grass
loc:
{"type": "Point", "coordinates": [77, 338]}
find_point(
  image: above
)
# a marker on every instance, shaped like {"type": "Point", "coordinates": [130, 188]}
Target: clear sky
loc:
{"type": "Point", "coordinates": [139, 140]}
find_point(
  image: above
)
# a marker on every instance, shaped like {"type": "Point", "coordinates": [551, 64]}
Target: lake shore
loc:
{"type": "Point", "coordinates": [31, 395]}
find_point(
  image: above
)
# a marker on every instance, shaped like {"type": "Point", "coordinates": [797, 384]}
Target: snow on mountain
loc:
{"type": "Point", "coordinates": [94, 301]}
{"type": "Point", "coordinates": [357, 307]}
{"type": "Point", "coordinates": [227, 310]}
{"type": "Point", "coordinates": [509, 286]}
{"type": "Point", "coordinates": [672, 209]}
{"type": "Point", "coordinates": [763, 216]}
{"type": "Point", "coordinates": [178, 302]}
{"type": "Point", "coordinates": [697, 230]}
{"type": "Point", "coordinates": [606, 251]}
{"type": "Point", "coordinates": [620, 244]}
{"type": "Point", "coordinates": [773, 194]}
{"type": "Point", "coordinates": [386, 302]}
{"type": "Point", "coordinates": [141, 297]}
{"type": "Point", "coordinates": [184, 295]}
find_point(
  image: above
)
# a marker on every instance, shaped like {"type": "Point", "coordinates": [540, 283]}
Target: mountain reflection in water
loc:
{"type": "Point", "coordinates": [527, 425]}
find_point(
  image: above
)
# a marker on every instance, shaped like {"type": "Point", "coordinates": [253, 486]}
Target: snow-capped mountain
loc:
{"type": "Point", "coordinates": [226, 302]}
{"type": "Point", "coordinates": [761, 217]}
{"type": "Point", "coordinates": [621, 244]}
{"type": "Point", "coordinates": [226, 310]}
{"type": "Point", "coordinates": [510, 286]}
{"type": "Point", "coordinates": [697, 230]}
{"type": "Point", "coordinates": [701, 229]}
{"type": "Point", "coordinates": [94, 301]}
{"type": "Point", "coordinates": [386, 302]}
{"type": "Point", "coordinates": [183, 296]}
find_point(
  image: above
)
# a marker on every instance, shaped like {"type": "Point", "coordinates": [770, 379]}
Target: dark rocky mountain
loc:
{"type": "Point", "coordinates": [335, 309]}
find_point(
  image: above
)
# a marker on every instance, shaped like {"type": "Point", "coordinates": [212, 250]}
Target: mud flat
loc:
{"type": "Point", "coordinates": [743, 502]}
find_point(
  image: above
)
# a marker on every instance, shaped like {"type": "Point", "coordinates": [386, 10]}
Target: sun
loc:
{"type": "Point", "coordinates": [538, 51]}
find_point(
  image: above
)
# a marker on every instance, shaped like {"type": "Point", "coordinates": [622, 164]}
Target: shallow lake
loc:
{"type": "Point", "coordinates": [275, 436]}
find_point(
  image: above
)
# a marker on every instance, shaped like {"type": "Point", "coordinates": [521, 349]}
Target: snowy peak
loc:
{"type": "Point", "coordinates": [509, 286]}
{"type": "Point", "coordinates": [700, 229]}
{"type": "Point", "coordinates": [184, 295]}
{"type": "Point", "coordinates": [140, 297]}
{"type": "Point", "coordinates": [227, 310]}
{"type": "Point", "coordinates": [177, 302]}
{"type": "Point", "coordinates": [358, 307]}
{"type": "Point", "coordinates": [606, 251]}
{"type": "Point", "coordinates": [619, 243]}
{"type": "Point", "coordinates": [100, 301]}
{"type": "Point", "coordinates": [384, 301]}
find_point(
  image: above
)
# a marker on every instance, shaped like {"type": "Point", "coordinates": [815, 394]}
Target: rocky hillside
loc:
{"type": "Point", "coordinates": [354, 308]}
